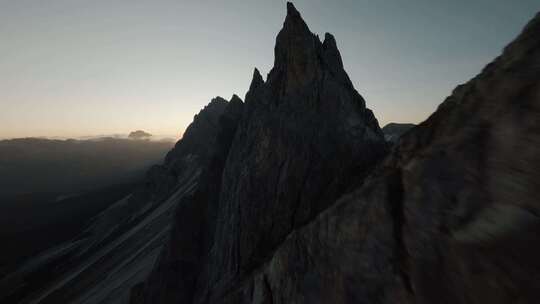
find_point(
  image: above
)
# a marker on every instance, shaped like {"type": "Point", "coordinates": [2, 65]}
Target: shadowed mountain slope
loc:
{"type": "Point", "coordinates": [66, 167]}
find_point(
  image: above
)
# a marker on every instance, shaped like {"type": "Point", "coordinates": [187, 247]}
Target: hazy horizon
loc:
{"type": "Point", "coordinates": [78, 68]}
{"type": "Point", "coordinates": [158, 137]}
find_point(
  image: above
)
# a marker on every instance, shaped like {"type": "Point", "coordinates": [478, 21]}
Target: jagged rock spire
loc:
{"type": "Point", "coordinates": [301, 57]}
{"type": "Point", "coordinates": [301, 131]}
{"type": "Point", "coordinates": [294, 18]}
{"type": "Point", "coordinates": [303, 137]}
{"type": "Point", "coordinates": [331, 52]}
{"type": "Point", "coordinates": [291, 10]}
{"type": "Point", "coordinates": [296, 50]}
{"type": "Point", "coordinates": [257, 80]}
{"type": "Point", "coordinates": [235, 98]}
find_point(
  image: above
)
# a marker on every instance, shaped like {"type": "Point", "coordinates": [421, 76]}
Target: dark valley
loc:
{"type": "Point", "coordinates": [52, 189]}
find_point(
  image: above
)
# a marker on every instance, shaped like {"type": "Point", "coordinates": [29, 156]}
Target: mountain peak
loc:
{"type": "Point", "coordinates": [302, 121]}
{"type": "Point", "coordinates": [217, 100]}
{"type": "Point", "coordinates": [296, 51]}
{"type": "Point", "coordinates": [291, 10]}
{"type": "Point", "coordinates": [301, 57]}
{"type": "Point", "coordinates": [332, 58]}
{"type": "Point", "coordinates": [294, 22]}
{"type": "Point", "coordinates": [257, 80]}
{"type": "Point", "coordinates": [235, 99]}
{"type": "Point", "coordinates": [331, 51]}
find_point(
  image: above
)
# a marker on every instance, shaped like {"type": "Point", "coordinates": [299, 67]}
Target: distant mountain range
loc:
{"type": "Point", "coordinates": [153, 137]}
{"type": "Point", "coordinates": [31, 165]}
{"type": "Point", "coordinates": [51, 189]}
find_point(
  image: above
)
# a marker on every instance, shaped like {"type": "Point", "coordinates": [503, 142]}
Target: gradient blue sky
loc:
{"type": "Point", "coordinates": [77, 67]}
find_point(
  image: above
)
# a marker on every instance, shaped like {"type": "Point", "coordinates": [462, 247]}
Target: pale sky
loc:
{"type": "Point", "coordinates": [74, 68]}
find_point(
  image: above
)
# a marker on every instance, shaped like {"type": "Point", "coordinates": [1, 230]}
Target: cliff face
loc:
{"type": "Point", "coordinates": [175, 274]}
{"type": "Point", "coordinates": [305, 137]}
{"type": "Point", "coordinates": [450, 216]}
